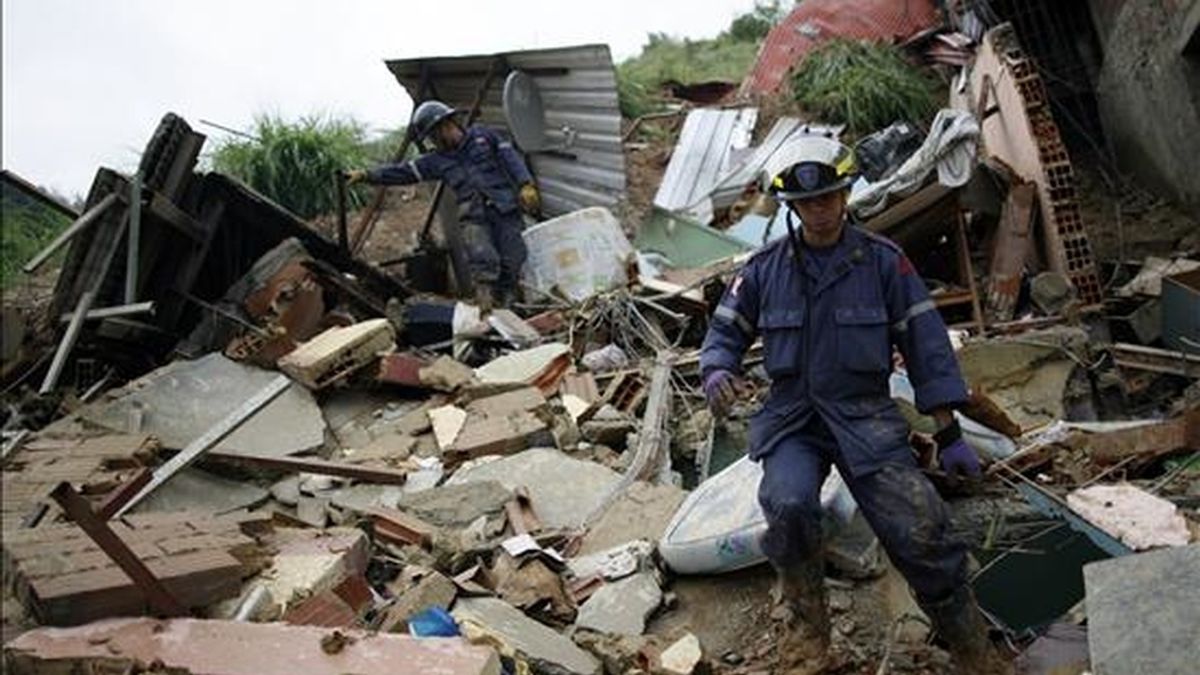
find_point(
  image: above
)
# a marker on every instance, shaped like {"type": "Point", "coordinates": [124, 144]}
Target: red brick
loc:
{"type": "Point", "coordinates": [238, 648]}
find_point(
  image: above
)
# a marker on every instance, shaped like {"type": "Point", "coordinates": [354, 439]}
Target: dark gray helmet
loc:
{"type": "Point", "coordinates": [428, 115]}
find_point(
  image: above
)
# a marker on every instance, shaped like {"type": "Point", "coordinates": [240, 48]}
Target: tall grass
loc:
{"type": "Point", "coordinates": [293, 163]}
{"type": "Point", "coordinates": [865, 86]}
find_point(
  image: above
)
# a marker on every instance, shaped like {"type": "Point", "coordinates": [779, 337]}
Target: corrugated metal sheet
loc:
{"type": "Point", "coordinates": [770, 157]}
{"type": "Point", "coordinates": [579, 92]}
{"type": "Point", "coordinates": [703, 153]}
{"type": "Point", "coordinates": [730, 185]}
{"type": "Point", "coordinates": [815, 21]}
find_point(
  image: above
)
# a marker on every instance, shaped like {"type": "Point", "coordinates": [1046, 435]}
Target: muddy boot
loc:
{"type": "Point", "coordinates": [802, 614]}
{"type": "Point", "coordinates": [958, 620]}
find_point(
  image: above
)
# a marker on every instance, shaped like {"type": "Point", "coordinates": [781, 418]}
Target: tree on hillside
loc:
{"type": "Point", "coordinates": [755, 24]}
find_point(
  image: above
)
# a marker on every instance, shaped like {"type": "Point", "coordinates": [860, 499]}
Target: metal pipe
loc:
{"type": "Point", "coordinates": [109, 312]}
{"type": "Point", "coordinates": [68, 341]}
{"type": "Point", "coordinates": [133, 249]}
{"type": "Point", "coordinates": [90, 216]}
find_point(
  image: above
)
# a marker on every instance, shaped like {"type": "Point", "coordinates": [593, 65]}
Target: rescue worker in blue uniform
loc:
{"type": "Point", "coordinates": [493, 187]}
{"type": "Point", "coordinates": [830, 303]}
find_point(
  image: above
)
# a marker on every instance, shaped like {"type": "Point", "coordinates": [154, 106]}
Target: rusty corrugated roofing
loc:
{"type": "Point", "coordinates": [815, 21]}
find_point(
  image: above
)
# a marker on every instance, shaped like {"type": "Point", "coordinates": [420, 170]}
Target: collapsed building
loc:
{"type": "Point", "coordinates": [234, 422]}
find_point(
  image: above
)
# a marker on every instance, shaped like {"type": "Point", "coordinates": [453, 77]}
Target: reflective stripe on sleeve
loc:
{"type": "Point", "coordinates": [914, 311]}
{"type": "Point", "coordinates": [730, 314]}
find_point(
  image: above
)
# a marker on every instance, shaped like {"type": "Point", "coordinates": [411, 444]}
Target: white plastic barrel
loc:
{"type": "Point", "coordinates": [582, 252]}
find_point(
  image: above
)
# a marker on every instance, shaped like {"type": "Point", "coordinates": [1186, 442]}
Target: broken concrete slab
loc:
{"type": "Point", "coordinates": [195, 490]}
{"type": "Point", "coordinates": [1136, 517]}
{"type": "Point", "coordinates": [338, 352]}
{"type": "Point", "coordinates": [1143, 612]}
{"type": "Point", "coordinates": [1061, 650]}
{"type": "Point", "coordinates": [564, 490]}
{"type": "Point", "coordinates": [431, 590]}
{"type": "Point", "coordinates": [499, 435]}
{"type": "Point", "coordinates": [1026, 375]}
{"type": "Point", "coordinates": [240, 648]}
{"type": "Point", "coordinates": [182, 400]}
{"type": "Point", "coordinates": [457, 506]}
{"type": "Point", "coordinates": [641, 512]}
{"type": "Point", "coordinates": [287, 490]}
{"type": "Point", "coordinates": [545, 649]}
{"type": "Point", "coordinates": [525, 399]}
{"type": "Point", "coordinates": [622, 606]}
{"type": "Point", "coordinates": [364, 497]}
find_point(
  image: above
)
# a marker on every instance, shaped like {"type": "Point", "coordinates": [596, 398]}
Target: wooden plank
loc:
{"type": "Point", "coordinates": [321, 467]}
{"type": "Point", "coordinates": [1010, 250]}
{"type": "Point", "coordinates": [77, 508]}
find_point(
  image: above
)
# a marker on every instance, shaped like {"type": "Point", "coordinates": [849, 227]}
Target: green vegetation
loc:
{"type": "Point", "coordinates": [294, 163]}
{"type": "Point", "coordinates": [667, 59]}
{"type": "Point", "coordinates": [865, 86]}
{"type": "Point", "coordinates": [26, 227]}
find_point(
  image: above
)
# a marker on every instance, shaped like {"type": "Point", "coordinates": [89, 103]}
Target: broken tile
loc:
{"type": "Point", "coordinates": [622, 606]}
{"type": "Point", "coordinates": [564, 490]}
{"type": "Point", "coordinates": [1143, 611]}
{"type": "Point", "coordinates": [184, 399]}
{"type": "Point", "coordinates": [363, 497]}
{"type": "Point", "coordinates": [682, 657]}
{"type": "Point", "coordinates": [448, 421]}
{"type": "Point", "coordinates": [545, 649]}
{"type": "Point", "coordinates": [240, 648]}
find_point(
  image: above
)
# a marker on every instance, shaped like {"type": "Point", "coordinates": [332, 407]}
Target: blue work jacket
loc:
{"type": "Point", "coordinates": [828, 335]}
{"type": "Point", "coordinates": [484, 171]}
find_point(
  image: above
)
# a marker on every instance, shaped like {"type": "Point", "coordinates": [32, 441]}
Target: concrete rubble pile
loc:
{"type": "Point", "coordinates": [291, 460]}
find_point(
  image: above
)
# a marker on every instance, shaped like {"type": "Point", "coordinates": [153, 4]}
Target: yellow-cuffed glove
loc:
{"type": "Point", "coordinates": [531, 201]}
{"type": "Point", "coordinates": [355, 176]}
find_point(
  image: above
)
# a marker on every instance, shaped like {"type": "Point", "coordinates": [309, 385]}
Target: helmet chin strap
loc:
{"type": "Point", "coordinates": [797, 242]}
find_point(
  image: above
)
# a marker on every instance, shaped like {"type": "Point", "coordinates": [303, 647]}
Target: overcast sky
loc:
{"type": "Point", "coordinates": [86, 81]}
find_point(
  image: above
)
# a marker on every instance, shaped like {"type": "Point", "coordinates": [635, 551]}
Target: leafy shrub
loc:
{"type": "Point", "coordinates": [865, 86]}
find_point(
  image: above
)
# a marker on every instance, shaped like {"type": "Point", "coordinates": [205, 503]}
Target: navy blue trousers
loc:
{"type": "Point", "coordinates": [496, 250]}
{"type": "Point", "coordinates": [898, 501]}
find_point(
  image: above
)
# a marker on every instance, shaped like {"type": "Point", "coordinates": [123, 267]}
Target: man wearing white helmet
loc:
{"type": "Point", "coordinates": [831, 301]}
